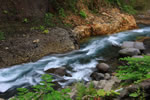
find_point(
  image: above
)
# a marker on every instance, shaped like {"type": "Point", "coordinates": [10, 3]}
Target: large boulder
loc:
{"type": "Point", "coordinates": [129, 52]}
{"type": "Point", "coordinates": [139, 45]}
{"type": "Point", "coordinates": [127, 44]}
{"type": "Point", "coordinates": [103, 67]}
{"type": "Point", "coordinates": [130, 44]}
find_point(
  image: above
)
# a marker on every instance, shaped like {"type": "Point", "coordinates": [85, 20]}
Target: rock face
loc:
{"type": "Point", "coordinates": [108, 22]}
{"type": "Point", "coordinates": [34, 45]}
{"type": "Point", "coordinates": [18, 9]}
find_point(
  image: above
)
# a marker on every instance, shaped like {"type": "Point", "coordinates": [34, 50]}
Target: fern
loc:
{"type": "Point", "coordinates": [42, 91]}
{"type": "Point", "coordinates": [137, 69]}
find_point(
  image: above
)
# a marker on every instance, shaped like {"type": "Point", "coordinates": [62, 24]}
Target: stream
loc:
{"type": "Point", "coordinates": [80, 63]}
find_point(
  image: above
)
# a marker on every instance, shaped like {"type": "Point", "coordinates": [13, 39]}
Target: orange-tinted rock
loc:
{"type": "Point", "coordinates": [107, 23]}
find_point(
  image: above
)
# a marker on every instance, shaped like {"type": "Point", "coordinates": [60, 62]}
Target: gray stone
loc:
{"type": "Point", "coordinates": [129, 51]}
{"type": "Point", "coordinates": [106, 84]}
{"type": "Point", "coordinates": [61, 71]}
{"type": "Point", "coordinates": [127, 44]}
{"type": "Point", "coordinates": [139, 45]}
{"type": "Point", "coordinates": [102, 67]}
{"type": "Point", "coordinates": [137, 56]}
{"type": "Point", "coordinates": [107, 76]}
{"type": "Point", "coordinates": [97, 76]}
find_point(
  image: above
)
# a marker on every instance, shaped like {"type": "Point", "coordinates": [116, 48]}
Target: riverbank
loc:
{"type": "Point", "coordinates": [29, 45]}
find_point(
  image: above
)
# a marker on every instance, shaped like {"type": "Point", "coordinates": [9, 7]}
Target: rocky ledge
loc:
{"type": "Point", "coordinates": [34, 45]}
{"type": "Point", "coordinates": [108, 22]}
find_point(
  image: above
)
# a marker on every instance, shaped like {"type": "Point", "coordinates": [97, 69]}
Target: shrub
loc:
{"type": "Point", "coordinates": [83, 92]}
{"type": "Point", "coordinates": [43, 91]}
{"type": "Point", "coordinates": [62, 12]}
{"type": "Point", "coordinates": [83, 14]}
{"type": "Point", "coordinates": [135, 70]}
{"type": "Point", "coordinates": [49, 19]}
{"type": "Point", "coordinates": [123, 5]}
{"type": "Point", "coordinates": [107, 94]}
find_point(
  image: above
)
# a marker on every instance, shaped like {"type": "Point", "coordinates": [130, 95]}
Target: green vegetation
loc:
{"type": "Point", "coordinates": [42, 91]}
{"type": "Point", "coordinates": [2, 37]}
{"type": "Point", "coordinates": [107, 94]}
{"type": "Point", "coordinates": [25, 20]}
{"type": "Point", "coordinates": [123, 5]}
{"type": "Point", "coordinates": [5, 12]}
{"type": "Point", "coordinates": [89, 93]}
{"type": "Point", "coordinates": [138, 94]}
{"type": "Point", "coordinates": [62, 12]}
{"type": "Point", "coordinates": [84, 92]}
{"type": "Point", "coordinates": [46, 31]}
{"type": "Point", "coordinates": [48, 19]}
{"type": "Point", "coordinates": [82, 14]}
{"type": "Point", "coordinates": [136, 69]}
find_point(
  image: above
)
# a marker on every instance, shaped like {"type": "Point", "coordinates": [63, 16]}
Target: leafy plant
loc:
{"type": "Point", "coordinates": [42, 91]}
{"type": "Point", "coordinates": [49, 19]}
{"type": "Point", "coordinates": [107, 94]}
{"type": "Point", "coordinates": [2, 37]}
{"type": "Point", "coordinates": [42, 28]}
{"type": "Point", "coordinates": [83, 14]}
{"type": "Point", "coordinates": [5, 12]}
{"type": "Point", "coordinates": [25, 20]}
{"type": "Point", "coordinates": [135, 70]}
{"type": "Point", "coordinates": [85, 92]}
{"type": "Point", "coordinates": [46, 31]}
{"type": "Point", "coordinates": [62, 12]}
{"type": "Point", "coordinates": [138, 94]}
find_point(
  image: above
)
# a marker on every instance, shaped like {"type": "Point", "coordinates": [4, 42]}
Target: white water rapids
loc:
{"type": "Point", "coordinates": [80, 63]}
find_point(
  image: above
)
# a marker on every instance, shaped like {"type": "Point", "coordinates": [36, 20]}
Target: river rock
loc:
{"type": "Point", "coordinates": [106, 84]}
{"type": "Point", "coordinates": [129, 52]}
{"type": "Point", "coordinates": [103, 67]}
{"type": "Point", "coordinates": [139, 45]}
{"type": "Point", "coordinates": [58, 71]}
{"type": "Point", "coordinates": [127, 44]}
{"type": "Point", "coordinates": [107, 76]}
{"type": "Point", "coordinates": [97, 76]}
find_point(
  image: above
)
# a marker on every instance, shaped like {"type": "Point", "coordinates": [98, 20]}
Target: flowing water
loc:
{"type": "Point", "coordinates": [80, 63]}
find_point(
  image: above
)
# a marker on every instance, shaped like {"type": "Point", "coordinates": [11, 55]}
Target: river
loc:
{"type": "Point", "coordinates": [80, 63]}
